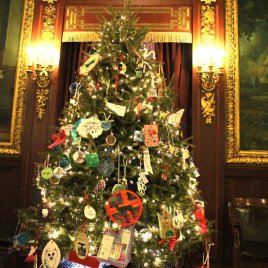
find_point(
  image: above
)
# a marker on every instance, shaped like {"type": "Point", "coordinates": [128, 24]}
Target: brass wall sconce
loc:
{"type": "Point", "coordinates": [209, 75]}
{"type": "Point", "coordinates": [41, 73]}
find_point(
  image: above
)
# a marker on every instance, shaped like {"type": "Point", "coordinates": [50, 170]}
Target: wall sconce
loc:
{"type": "Point", "coordinates": [40, 72]}
{"type": "Point", "coordinates": [209, 73]}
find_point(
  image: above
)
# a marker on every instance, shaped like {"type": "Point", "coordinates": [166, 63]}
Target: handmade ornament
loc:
{"type": "Point", "coordinates": [106, 167]}
{"type": "Point", "coordinates": [145, 235]}
{"type": "Point", "coordinates": [75, 126]}
{"type": "Point", "coordinates": [89, 261]}
{"type": "Point", "coordinates": [89, 64]}
{"type": "Point", "coordinates": [67, 129]}
{"type": "Point", "coordinates": [122, 68]}
{"type": "Point", "coordinates": [175, 118]}
{"type": "Point", "coordinates": [178, 219]}
{"type": "Point", "coordinates": [65, 162]}
{"type": "Point", "coordinates": [79, 157]}
{"type": "Point", "coordinates": [21, 240]}
{"type": "Point", "coordinates": [118, 187]}
{"type": "Point", "coordinates": [100, 186]}
{"type": "Point", "coordinates": [91, 88]}
{"type": "Point", "coordinates": [74, 87]}
{"type": "Point", "coordinates": [151, 138]}
{"type": "Point", "coordinates": [81, 245]}
{"type": "Point", "coordinates": [47, 173]}
{"type": "Point", "coordinates": [138, 135]}
{"type": "Point", "coordinates": [92, 159]}
{"type": "Point", "coordinates": [199, 215]}
{"type": "Point", "coordinates": [193, 169]}
{"type": "Point", "coordinates": [119, 110]}
{"type": "Point", "coordinates": [89, 212]}
{"type": "Point", "coordinates": [51, 255]}
{"type": "Point", "coordinates": [141, 183]}
{"type": "Point", "coordinates": [124, 207]}
{"type": "Point", "coordinates": [116, 248]}
{"type": "Point", "coordinates": [57, 139]}
{"type": "Point", "coordinates": [106, 125]}
{"type": "Point", "coordinates": [58, 172]}
{"type": "Point", "coordinates": [90, 127]}
{"type": "Point", "coordinates": [110, 140]}
{"type": "Point", "coordinates": [147, 162]}
{"type": "Point", "coordinates": [166, 228]}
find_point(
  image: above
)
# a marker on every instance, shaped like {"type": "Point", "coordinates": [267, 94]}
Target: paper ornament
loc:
{"type": "Point", "coordinates": [90, 127]}
{"type": "Point", "coordinates": [141, 183]}
{"type": "Point", "coordinates": [151, 138]}
{"type": "Point", "coordinates": [92, 159]}
{"type": "Point", "coordinates": [89, 212]}
{"type": "Point", "coordinates": [116, 248]}
{"type": "Point", "coordinates": [47, 173]}
{"type": "Point", "coordinates": [100, 186]}
{"type": "Point", "coordinates": [124, 207]}
{"type": "Point", "coordinates": [51, 255]}
{"type": "Point", "coordinates": [58, 172]}
{"type": "Point", "coordinates": [166, 228]}
{"type": "Point", "coordinates": [106, 167]}
{"type": "Point", "coordinates": [119, 110]}
{"type": "Point", "coordinates": [89, 64]}
{"type": "Point", "coordinates": [81, 245]}
{"type": "Point", "coordinates": [147, 162]}
{"type": "Point", "coordinates": [138, 135]}
{"type": "Point", "coordinates": [175, 118]}
{"type": "Point", "coordinates": [79, 157]}
{"type": "Point", "coordinates": [89, 261]}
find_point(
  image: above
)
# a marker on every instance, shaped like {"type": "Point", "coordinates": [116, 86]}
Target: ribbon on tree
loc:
{"type": "Point", "coordinates": [171, 241]}
{"type": "Point", "coordinates": [58, 139]}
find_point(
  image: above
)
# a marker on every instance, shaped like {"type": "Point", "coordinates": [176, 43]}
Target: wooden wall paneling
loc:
{"type": "Point", "coordinates": [10, 185]}
{"type": "Point", "coordinates": [209, 139]}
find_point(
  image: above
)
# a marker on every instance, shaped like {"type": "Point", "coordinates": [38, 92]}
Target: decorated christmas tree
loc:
{"type": "Point", "coordinates": [118, 183]}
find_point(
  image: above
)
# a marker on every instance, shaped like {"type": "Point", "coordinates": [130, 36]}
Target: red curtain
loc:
{"type": "Point", "coordinates": [177, 59]}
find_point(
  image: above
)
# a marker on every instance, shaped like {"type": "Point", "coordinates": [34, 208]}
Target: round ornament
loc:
{"type": "Point", "coordinates": [54, 180]}
{"type": "Point", "coordinates": [122, 68]}
{"type": "Point", "coordinates": [124, 207]}
{"type": "Point", "coordinates": [65, 162]}
{"type": "Point", "coordinates": [111, 140]}
{"type": "Point", "coordinates": [51, 255]}
{"type": "Point", "coordinates": [47, 173]}
{"type": "Point", "coordinates": [90, 212]}
{"type": "Point", "coordinates": [100, 186]}
{"type": "Point", "coordinates": [106, 167]}
{"type": "Point", "coordinates": [118, 187]}
{"type": "Point", "coordinates": [58, 172]}
{"type": "Point", "coordinates": [79, 157]}
{"type": "Point", "coordinates": [81, 245]}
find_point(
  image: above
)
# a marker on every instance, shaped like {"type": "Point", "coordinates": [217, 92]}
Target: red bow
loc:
{"type": "Point", "coordinates": [58, 139]}
{"type": "Point", "coordinates": [199, 215]}
{"type": "Point", "coordinates": [172, 242]}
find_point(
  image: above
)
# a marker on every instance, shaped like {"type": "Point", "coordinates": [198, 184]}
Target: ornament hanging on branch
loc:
{"type": "Point", "coordinates": [51, 255]}
{"type": "Point", "coordinates": [90, 63]}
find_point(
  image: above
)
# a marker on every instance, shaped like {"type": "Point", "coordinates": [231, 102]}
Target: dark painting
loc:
{"type": "Point", "coordinates": [253, 74]}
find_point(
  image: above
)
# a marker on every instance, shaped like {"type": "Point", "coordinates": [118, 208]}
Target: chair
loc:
{"type": "Point", "coordinates": [249, 220]}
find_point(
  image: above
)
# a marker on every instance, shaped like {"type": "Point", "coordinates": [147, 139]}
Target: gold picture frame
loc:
{"type": "Point", "coordinates": [233, 152]}
{"type": "Point", "coordinates": [12, 145]}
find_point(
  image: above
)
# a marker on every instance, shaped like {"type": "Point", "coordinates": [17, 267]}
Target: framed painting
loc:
{"type": "Point", "coordinates": [16, 19]}
{"type": "Point", "coordinates": [246, 45]}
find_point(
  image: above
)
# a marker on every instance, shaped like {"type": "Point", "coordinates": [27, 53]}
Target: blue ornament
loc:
{"type": "Point", "coordinates": [73, 87]}
{"type": "Point", "coordinates": [106, 167]}
{"type": "Point", "coordinates": [65, 162]}
{"type": "Point", "coordinates": [106, 125]}
{"type": "Point", "coordinates": [21, 239]}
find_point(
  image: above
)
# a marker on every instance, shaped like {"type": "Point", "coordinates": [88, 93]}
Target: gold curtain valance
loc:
{"type": "Point", "coordinates": [166, 24]}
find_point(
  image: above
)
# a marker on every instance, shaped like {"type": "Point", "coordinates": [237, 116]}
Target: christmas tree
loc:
{"type": "Point", "coordinates": [118, 182]}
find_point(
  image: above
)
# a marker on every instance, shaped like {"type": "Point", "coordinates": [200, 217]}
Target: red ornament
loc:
{"type": "Point", "coordinates": [90, 261]}
{"type": "Point", "coordinates": [199, 215]}
{"type": "Point", "coordinates": [151, 138]}
{"type": "Point", "coordinates": [58, 139]}
{"type": "Point", "coordinates": [124, 207]}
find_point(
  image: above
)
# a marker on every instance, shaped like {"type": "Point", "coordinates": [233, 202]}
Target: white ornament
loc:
{"type": "Point", "coordinates": [90, 212]}
{"type": "Point", "coordinates": [51, 255]}
{"type": "Point", "coordinates": [175, 119]}
{"type": "Point", "coordinates": [147, 162]}
{"type": "Point", "coordinates": [116, 109]}
{"type": "Point", "coordinates": [90, 127]}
